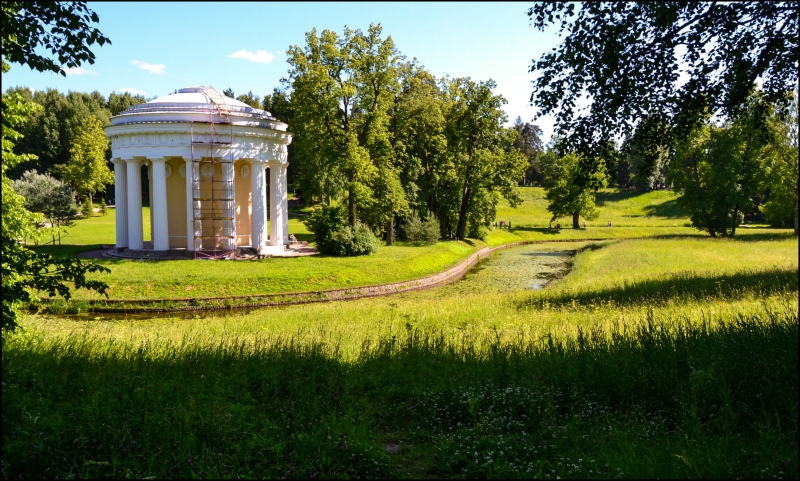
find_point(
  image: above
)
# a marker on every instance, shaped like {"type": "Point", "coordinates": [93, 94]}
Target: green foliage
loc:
{"type": "Point", "coordinates": [323, 222]}
{"type": "Point", "coordinates": [60, 27]}
{"type": "Point", "coordinates": [529, 143]}
{"type": "Point", "coordinates": [420, 231]}
{"type": "Point", "coordinates": [720, 170]}
{"type": "Point", "coordinates": [571, 182]}
{"type": "Point", "coordinates": [50, 133]}
{"type": "Point", "coordinates": [87, 169]}
{"type": "Point", "coordinates": [477, 231]}
{"type": "Point", "coordinates": [349, 241]}
{"type": "Point", "coordinates": [480, 153]}
{"type": "Point", "coordinates": [782, 207]}
{"type": "Point", "coordinates": [118, 103]}
{"type": "Point", "coordinates": [87, 210]}
{"type": "Point", "coordinates": [627, 57]}
{"type": "Point", "coordinates": [49, 196]}
{"type": "Point", "coordinates": [341, 90]}
{"type": "Point", "coordinates": [647, 154]}
{"type": "Point", "coordinates": [103, 206]}
{"type": "Point", "coordinates": [334, 236]}
{"type": "Point", "coordinates": [64, 30]}
{"type": "Point", "coordinates": [250, 99]}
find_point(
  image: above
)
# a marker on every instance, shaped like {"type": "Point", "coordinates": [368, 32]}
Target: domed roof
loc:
{"type": "Point", "coordinates": [194, 104]}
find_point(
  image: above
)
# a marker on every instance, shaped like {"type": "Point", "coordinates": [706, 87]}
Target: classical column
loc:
{"type": "Point", "coordinates": [228, 206]}
{"type": "Point", "coordinates": [285, 202]}
{"type": "Point", "coordinates": [279, 232]}
{"type": "Point", "coordinates": [135, 240]}
{"type": "Point", "coordinates": [258, 216]}
{"type": "Point", "coordinates": [121, 201]}
{"type": "Point", "coordinates": [159, 206]}
{"type": "Point", "coordinates": [189, 205]}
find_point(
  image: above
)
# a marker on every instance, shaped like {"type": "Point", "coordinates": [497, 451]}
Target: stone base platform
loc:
{"type": "Point", "coordinates": [242, 253]}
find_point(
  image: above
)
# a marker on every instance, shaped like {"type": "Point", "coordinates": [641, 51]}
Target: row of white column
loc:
{"type": "Point", "coordinates": [128, 195]}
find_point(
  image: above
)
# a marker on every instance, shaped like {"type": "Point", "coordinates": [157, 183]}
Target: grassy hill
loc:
{"type": "Point", "coordinates": [674, 355]}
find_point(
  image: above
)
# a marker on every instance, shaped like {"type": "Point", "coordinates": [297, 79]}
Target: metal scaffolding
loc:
{"type": "Point", "coordinates": [213, 185]}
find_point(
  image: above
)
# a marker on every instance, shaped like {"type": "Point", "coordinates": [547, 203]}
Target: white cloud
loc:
{"type": "Point", "coordinates": [260, 56]}
{"type": "Point", "coordinates": [79, 71]}
{"type": "Point", "coordinates": [131, 91]}
{"type": "Point", "coordinates": [150, 67]}
{"type": "Point", "coordinates": [33, 90]}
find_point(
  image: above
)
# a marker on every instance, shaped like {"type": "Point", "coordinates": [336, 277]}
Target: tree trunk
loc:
{"type": "Point", "coordinates": [735, 220]}
{"type": "Point", "coordinates": [576, 217]}
{"type": "Point", "coordinates": [797, 207]}
{"type": "Point", "coordinates": [90, 199]}
{"type": "Point", "coordinates": [461, 230]}
{"type": "Point", "coordinates": [390, 231]}
{"type": "Point", "coordinates": [351, 200]}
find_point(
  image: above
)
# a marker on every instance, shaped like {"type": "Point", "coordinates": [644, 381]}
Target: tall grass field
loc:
{"type": "Point", "coordinates": [662, 356]}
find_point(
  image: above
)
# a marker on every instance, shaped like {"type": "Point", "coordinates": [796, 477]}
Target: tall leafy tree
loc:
{"type": "Point", "coordinates": [87, 169]}
{"type": "Point", "coordinates": [250, 99]}
{"type": "Point", "coordinates": [341, 91]}
{"type": "Point", "coordinates": [720, 170]}
{"type": "Point", "coordinates": [65, 30]}
{"type": "Point", "coordinates": [47, 195]}
{"type": "Point", "coordinates": [627, 57]}
{"type": "Point", "coordinates": [480, 148]}
{"type": "Point", "coordinates": [62, 28]}
{"type": "Point", "coordinates": [784, 178]}
{"type": "Point", "coordinates": [50, 132]}
{"type": "Point", "coordinates": [529, 143]}
{"type": "Point", "coordinates": [648, 152]}
{"type": "Point", "coordinates": [418, 138]}
{"type": "Point", "coordinates": [118, 103]}
{"type": "Point", "coordinates": [571, 182]}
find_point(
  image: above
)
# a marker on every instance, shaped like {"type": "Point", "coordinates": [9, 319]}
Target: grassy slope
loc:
{"type": "Point", "coordinates": [460, 378]}
{"type": "Point", "coordinates": [633, 215]}
{"type": "Point", "coordinates": [477, 305]}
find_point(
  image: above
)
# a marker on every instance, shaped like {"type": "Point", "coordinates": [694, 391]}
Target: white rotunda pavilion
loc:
{"type": "Point", "coordinates": [211, 161]}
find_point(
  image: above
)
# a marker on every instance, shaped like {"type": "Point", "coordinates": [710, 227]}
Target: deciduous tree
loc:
{"type": "Point", "coordinates": [483, 159]}
{"type": "Point", "coordinates": [571, 182]}
{"type": "Point", "coordinates": [626, 57]}
{"type": "Point", "coordinates": [719, 170]}
{"type": "Point", "coordinates": [63, 29]}
{"type": "Point", "coordinates": [341, 91]}
{"type": "Point", "coordinates": [87, 169]}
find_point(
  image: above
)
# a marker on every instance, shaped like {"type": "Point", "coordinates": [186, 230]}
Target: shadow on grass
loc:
{"type": "Point", "coordinates": [603, 198]}
{"type": "Point", "coordinates": [66, 250]}
{"type": "Point", "coordinates": [683, 286]}
{"type": "Point", "coordinates": [271, 407]}
{"type": "Point", "coordinates": [740, 237]}
{"type": "Point", "coordinates": [541, 230]}
{"type": "Point", "coordinates": [669, 209]}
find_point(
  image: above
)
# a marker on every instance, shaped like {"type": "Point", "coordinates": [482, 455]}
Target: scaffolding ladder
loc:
{"type": "Point", "coordinates": [213, 186]}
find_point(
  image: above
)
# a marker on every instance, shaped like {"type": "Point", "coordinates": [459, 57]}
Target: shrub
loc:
{"type": "Point", "coordinates": [323, 222]}
{"type": "Point", "coordinates": [347, 241]}
{"type": "Point", "coordinates": [103, 206]}
{"type": "Point", "coordinates": [86, 209]}
{"type": "Point", "coordinates": [334, 237]}
{"type": "Point", "coordinates": [477, 231]}
{"type": "Point", "coordinates": [422, 232]}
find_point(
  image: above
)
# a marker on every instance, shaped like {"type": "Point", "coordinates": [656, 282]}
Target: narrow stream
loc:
{"type": "Point", "coordinates": [519, 268]}
{"type": "Point", "coordinates": [528, 267]}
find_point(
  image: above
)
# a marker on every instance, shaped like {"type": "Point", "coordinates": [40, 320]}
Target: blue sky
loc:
{"type": "Point", "coordinates": [159, 47]}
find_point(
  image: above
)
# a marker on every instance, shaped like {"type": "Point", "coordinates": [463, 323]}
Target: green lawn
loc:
{"type": "Point", "coordinates": [171, 279]}
{"type": "Point", "coordinates": [634, 215]}
{"type": "Point", "coordinates": [623, 207]}
{"type": "Point", "coordinates": [680, 354]}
